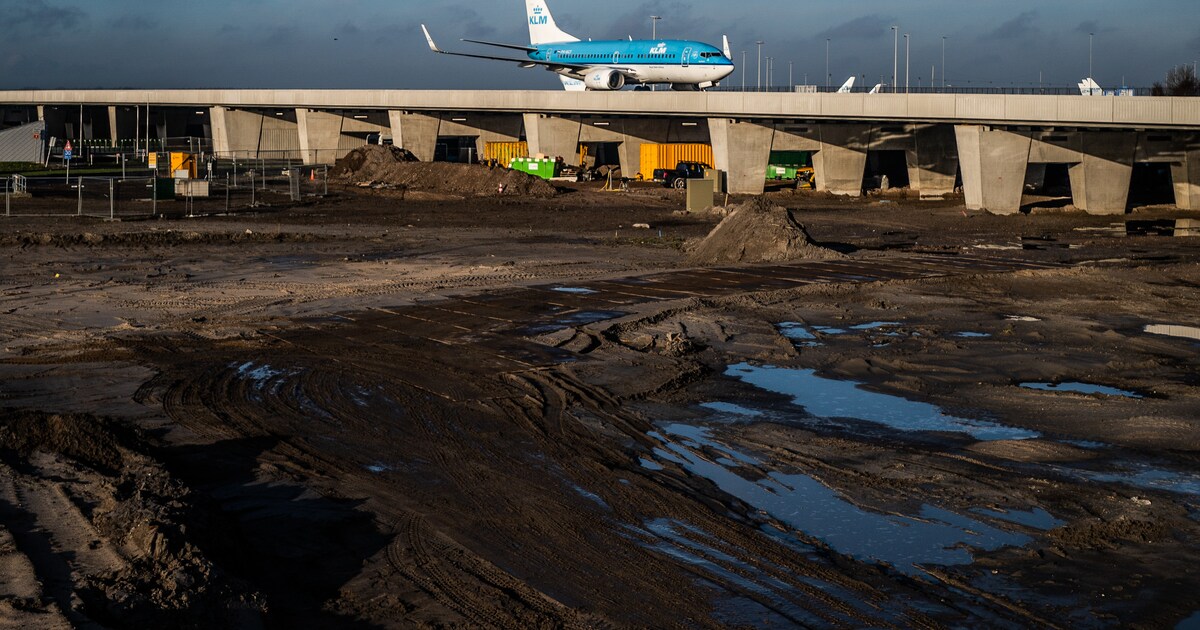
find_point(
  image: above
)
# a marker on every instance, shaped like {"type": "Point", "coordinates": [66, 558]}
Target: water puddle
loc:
{"type": "Point", "coordinates": [262, 378]}
{"type": "Point", "coordinates": [378, 469]}
{"type": "Point", "coordinates": [932, 536]}
{"type": "Point", "coordinates": [799, 334]}
{"type": "Point", "coordinates": [1021, 318]}
{"type": "Point", "coordinates": [574, 290]}
{"type": "Point", "coordinates": [828, 399]}
{"type": "Point", "coordinates": [1036, 518]}
{"type": "Point", "coordinates": [685, 543]}
{"type": "Point", "coordinates": [875, 325]}
{"type": "Point", "coordinates": [590, 496]}
{"type": "Point", "coordinates": [1081, 388]}
{"type": "Point", "coordinates": [972, 335]}
{"type": "Point", "coordinates": [1145, 477]}
{"type": "Point", "coordinates": [582, 318]}
{"type": "Point", "coordinates": [1171, 330]}
{"type": "Point", "coordinates": [732, 409]}
{"type": "Point", "coordinates": [1191, 623]}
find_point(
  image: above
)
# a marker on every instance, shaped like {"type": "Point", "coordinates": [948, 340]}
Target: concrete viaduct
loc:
{"type": "Point", "coordinates": [990, 141]}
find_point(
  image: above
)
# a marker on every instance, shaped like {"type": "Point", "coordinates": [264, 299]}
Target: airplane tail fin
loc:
{"type": "Point", "coordinates": [542, 28]}
{"type": "Point", "coordinates": [847, 86]}
{"type": "Point", "coordinates": [1089, 87]}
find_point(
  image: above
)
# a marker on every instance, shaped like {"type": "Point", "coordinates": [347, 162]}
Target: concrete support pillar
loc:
{"type": "Point", "coordinates": [1186, 178]}
{"type": "Point", "coordinates": [993, 167]}
{"type": "Point", "coordinates": [1100, 182]}
{"type": "Point", "coordinates": [112, 124]}
{"type": "Point", "coordinates": [842, 160]}
{"type": "Point", "coordinates": [742, 150]}
{"type": "Point", "coordinates": [932, 160]}
{"type": "Point", "coordinates": [236, 133]}
{"type": "Point", "coordinates": [553, 137]}
{"type": "Point", "coordinates": [418, 133]}
{"type": "Point", "coordinates": [41, 113]}
{"type": "Point", "coordinates": [635, 133]}
{"type": "Point", "coordinates": [320, 136]}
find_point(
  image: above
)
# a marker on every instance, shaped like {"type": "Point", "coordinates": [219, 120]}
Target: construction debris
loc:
{"type": "Point", "coordinates": [758, 231]}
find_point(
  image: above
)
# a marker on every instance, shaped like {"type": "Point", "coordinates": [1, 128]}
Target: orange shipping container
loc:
{"type": "Point", "coordinates": [656, 156]}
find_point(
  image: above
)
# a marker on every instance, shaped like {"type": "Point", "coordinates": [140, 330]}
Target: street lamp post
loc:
{"type": "Point", "coordinates": [791, 82]}
{"type": "Point", "coordinates": [895, 56]}
{"type": "Point", "coordinates": [758, 67]}
{"type": "Point", "coordinates": [743, 71]}
{"type": "Point", "coordinates": [654, 35]}
{"type": "Point", "coordinates": [906, 64]}
{"type": "Point", "coordinates": [943, 63]}
{"type": "Point", "coordinates": [1091, 36]}
{"type": "Point", "coordinates": [827, 75]}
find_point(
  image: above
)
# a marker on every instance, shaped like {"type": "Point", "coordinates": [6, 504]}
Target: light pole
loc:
{"type": "Point", "coordinates": [758, 68]}
{"type": "Point", "coordinates": [895, 56]}
{"type": "Point", "coordinates": [1091, 36]}
{"type": "Point", "coordinates": [791, 82]}
{"type": "Point", "coordinates": [943, 63]}
{"type": "Point", "coordinates": [654, 35]}
{"type": "Point", "coordinates": [906, 65]}
{"type": "Point", "coordinates": [768, 74]}
{"type": "Point", "coordinates": [827, 75]}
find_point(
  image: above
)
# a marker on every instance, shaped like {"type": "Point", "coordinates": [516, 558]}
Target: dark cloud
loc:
{"type": "Point", "coordinates": [41, 16]}
{"type": "Point", "coordinates": [1092, 26]}
{"type": "Point", "coordinates": [1021, 26]}
{"type": "Point", "coordinates": [866, 27]}
{"type": "Point", "coordinates": [132, 23]}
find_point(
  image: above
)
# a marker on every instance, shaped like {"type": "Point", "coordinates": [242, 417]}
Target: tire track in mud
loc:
{"type": "Point", "coordinates": [490, 455]}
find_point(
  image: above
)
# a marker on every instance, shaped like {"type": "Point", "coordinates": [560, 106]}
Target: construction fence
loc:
{"type": "Point", "coordinates": [229, 191]}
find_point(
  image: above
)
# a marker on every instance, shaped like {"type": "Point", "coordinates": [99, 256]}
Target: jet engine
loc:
{"type": "Point", "coordinates": [604, 79]}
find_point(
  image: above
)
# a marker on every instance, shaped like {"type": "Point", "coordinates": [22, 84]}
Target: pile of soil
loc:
{"type": "Point", "coordinates": [394, 167]}
{"type": "Point", "coordinates": [758, 231]}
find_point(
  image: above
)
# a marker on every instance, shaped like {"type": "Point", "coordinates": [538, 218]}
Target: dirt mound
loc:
{"type": "Point", "coordinates": [758, 231]}
{"type": "Point", "coordinates": [395, 167]}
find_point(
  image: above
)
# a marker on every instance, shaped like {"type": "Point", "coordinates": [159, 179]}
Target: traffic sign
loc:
{"type": "Point", "coordinates": [67, 151]}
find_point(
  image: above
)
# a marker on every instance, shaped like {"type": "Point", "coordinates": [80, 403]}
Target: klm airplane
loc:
{"type": "Point", "coordinates": [611, 64]}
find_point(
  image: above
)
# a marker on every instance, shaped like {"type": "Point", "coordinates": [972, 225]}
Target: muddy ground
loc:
{"type": "Point", "coordinates": [392, 410]}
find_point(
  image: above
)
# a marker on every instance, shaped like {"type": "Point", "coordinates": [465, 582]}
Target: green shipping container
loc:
{"type": "Point", "coordinates": [781, 171]}
{"type": "Point", "coordinates": [799, 158]}
{"type": "Point", "coordinates": [541, 168]}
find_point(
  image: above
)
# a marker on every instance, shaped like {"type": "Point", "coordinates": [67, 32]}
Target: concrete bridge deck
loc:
{"type": "Point", "coordinates": [989, 141]}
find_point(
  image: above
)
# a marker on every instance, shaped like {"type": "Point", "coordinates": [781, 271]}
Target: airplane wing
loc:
{"type": "Point", "coordinates": [524, 63]}
{"type": "Point", "coordinates": [497, 44]}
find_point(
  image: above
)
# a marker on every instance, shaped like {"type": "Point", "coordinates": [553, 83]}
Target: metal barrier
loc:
{"type": "Point", "coordinates": [229, 189]}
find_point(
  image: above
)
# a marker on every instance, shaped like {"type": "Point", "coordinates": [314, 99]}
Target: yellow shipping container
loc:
{"type": "Point", "coordinates": [183, 162]}
{"type": "Point", "coordinates": [505, 152]}
{"type": "Point", "coordinates": [656, 156]}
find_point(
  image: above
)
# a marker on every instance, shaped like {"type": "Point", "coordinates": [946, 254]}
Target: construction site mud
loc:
{"type": "Point", "coordinates": [371, 411]}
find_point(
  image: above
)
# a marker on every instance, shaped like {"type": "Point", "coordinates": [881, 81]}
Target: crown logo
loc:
{"type": "Point", "coordinates": [537, 10]}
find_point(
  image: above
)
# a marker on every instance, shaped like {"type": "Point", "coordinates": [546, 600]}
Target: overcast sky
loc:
{"type": "Point", "coordinates": [378, 44]}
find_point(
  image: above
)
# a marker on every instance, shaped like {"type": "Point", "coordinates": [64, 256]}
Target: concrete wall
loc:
{"type": "Point", "coordinates": [26, 143]}
{"type": "Point", "coordinates": [247, 134]}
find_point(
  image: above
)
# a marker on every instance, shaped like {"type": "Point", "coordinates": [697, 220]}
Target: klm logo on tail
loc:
{"type": "Point", "coordinates": [537, 19]}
